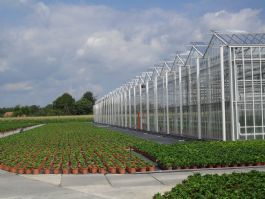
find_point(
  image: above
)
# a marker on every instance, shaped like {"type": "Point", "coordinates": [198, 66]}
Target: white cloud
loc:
{"type": "Point", "coordinates": [18, 86]}
{"type": "Point", "coordinates": [3, 66]}
{"type": "Point", "coordinates": [65, 47]}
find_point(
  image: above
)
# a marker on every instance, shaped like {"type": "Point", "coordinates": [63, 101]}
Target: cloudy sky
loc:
{"type": "Point", "coordinates": [52, 46]}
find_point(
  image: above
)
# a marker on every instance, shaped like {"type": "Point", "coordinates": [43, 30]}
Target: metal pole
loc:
{"type": "Point", "coordinates": [222, 92]}
{"type": "Point", "coordinates": [147, 106]}
{"type": "Point", "coordinates": [180, 101]}
{"type": "Point", "coordinates": [130, 109]}
{"type": "Point", "coordinates": [198, 98]}
{"type": "Point", "coordinates": [231, 95]}
{"type": "Point", "coordinates": [135, 125]}
{"type": "Point", "coordinates": [156, 106]}
{"type": "Point", "coordinates": [141, 111]}
{"type": "Point", "coordinates": [167, 116]}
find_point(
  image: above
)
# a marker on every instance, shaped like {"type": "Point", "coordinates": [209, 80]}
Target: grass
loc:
{"type": "Point", "coordinates": [13, 123]}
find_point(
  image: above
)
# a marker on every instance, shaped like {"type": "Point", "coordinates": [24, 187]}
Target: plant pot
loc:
{"type": "Point", "coordinates": [65, 171]}
{"type": "Point", "coordinates": [143, 169]}
{"type": "Point", "coordinates": [75, 171]}
{"type": "Point", "coordinates": [258, 164]}
{"type": "Point", "coordinates": [132, 170]}
{"type": "Point", "coordinates": [28, 171]}
{"type": "Point", "coordinates": [36, 171]}
{"type": "Point", "coordinates": [112, 170]}
{"type": "Point", "coordinates": [13, 169]}
{"type": "Point", "coordinates": [94, 170]}
{"type": "Point", "coordinates": [56, 171]}
{"type": "Point", "coordinates": [152, 168]}
{"type": "Point", "coordinates": [6, 168]}
{"type": "Point", "coordinates": [217, 166]}
{"type": "Point", "coordinates": [21, 171]}
{"type": "Point", "coordinates": [84, 170]}
{"type": "Point", "coordinates": [102, 170]}
{"type": "Point", "coordinates": [122, 171]}
{"type": "Point", "coordinates": [47, 171]}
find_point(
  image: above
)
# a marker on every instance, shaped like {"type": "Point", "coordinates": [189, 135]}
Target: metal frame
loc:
{"type": "Point", "coordinates": [216, 91]}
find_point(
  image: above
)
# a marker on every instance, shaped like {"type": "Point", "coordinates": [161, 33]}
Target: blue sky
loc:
{"type": "Point", "coordinates": [50, 47]}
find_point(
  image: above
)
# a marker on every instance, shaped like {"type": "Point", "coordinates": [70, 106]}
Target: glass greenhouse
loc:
{"type": "Point", "coordinates": [216, 91]}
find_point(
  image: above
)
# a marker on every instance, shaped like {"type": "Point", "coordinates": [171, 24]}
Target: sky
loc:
{"type": "Point", "coordinates": [50, 47]}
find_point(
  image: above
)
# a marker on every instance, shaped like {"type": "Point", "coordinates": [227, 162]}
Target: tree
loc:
{"type": "Point", "coordinates": [65, 103]}
{"type": "Point", "coordinates": [83, 106]}
{"type": "Point", "coordinates": [89, 96]}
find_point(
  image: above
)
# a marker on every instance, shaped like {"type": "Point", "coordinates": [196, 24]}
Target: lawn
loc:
{"type": "Point", "coordinates": [7, 124]}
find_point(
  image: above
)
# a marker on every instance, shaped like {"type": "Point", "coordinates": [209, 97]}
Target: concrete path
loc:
{"type": "Point", "coordinates": [8, 133]}
{"type": "Point", "coordinates": [159, 138]}
{"type": "Point", "coordinates": [109, 186]}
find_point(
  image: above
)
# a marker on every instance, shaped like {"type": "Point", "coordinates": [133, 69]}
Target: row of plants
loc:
{"type": "Point", "coordinates": [236, 185]}
{"type": "Point", "coordinates": [210, 154]}
{"type": "Point", "coordinates": [70, 148]}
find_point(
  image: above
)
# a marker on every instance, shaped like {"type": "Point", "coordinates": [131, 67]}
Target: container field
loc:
{"type": "Point", "coordinates": [205, 154]}
{"type": "Point", "coordinates": [235, 185]}
{"type": "Point", "coordinates": [69, 148]}
{"type": "Point", "coordinates": [81, 147]}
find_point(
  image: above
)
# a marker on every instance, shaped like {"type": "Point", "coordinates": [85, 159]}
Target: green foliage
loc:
{"type": "Point", "coordinates": [89, 96]}
{"type": "Point", "coordinates": [204, 154]}
{"type": "Point", "coordinates": [65, 103]}
{"type": "Point", "coordinates": [84, 106]}
{"type": "Point", "coordinates": [235, 185]}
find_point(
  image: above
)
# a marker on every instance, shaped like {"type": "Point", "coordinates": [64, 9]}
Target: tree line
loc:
{"type": "Point", "coordinates": [63, 105]}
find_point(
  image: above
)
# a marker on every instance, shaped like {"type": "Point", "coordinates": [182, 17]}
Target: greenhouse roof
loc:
{"type": "Point", "coordinates": [241, 38]}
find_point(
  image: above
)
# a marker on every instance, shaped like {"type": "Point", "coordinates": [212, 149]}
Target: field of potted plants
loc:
{"type": "Point", "coordinates": [235, 185]}
{"type": "Point", "coordinates": [205, 154]}
{"type": "Point", "coordinates": [77, 148]}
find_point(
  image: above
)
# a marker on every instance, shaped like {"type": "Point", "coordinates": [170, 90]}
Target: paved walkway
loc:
{"type": "Point", "coordinates": [98, 186]}
{"type": "Point", "coordinates": [5, 134]}
{"type": "Point", "coordinates": [159, 138]}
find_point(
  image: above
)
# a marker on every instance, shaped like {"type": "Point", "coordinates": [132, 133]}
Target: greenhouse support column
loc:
{"type": "Point", "coordinates": [141, 111]}
{"type": "Point", "coordinates": [130, 109]}
{"type": "Point", "coordinates": [125, 108]}
{"type": "Point", "coordinates": [167, 116]}
{"type": "Point", "coordinates": [231, 95]}
{"type": "Point", "coordinates": [222, 92]}
{"type": "Point", "coordinates": [134, 107]}
{"type": "Point", "coordinates": [112, 110]}
{"type": "Point", "coordinates": [156, 106]}
{"type": "Point", "coordinates": [198, 98]}
{"type": "Point", "coordinates": [180, 102]}
{"type": "Point", "coordinates": [147, 106]}
{"type": "Point", "coordinates": [175, 117]}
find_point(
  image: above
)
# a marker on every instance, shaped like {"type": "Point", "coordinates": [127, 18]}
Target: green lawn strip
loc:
{"type": "Point", "coordinates": [235, 185]}
{"type": "Point", "coordinates": [11, 125]}
{"type": "Point", "coordinates": [7, 124]}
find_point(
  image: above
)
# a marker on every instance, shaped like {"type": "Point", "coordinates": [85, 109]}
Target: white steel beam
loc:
{"type": "Point", "coordinates": [222, 92]}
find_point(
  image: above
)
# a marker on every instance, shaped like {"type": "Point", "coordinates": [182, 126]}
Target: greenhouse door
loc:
{"type": "Point", "coordinates": [249, 101]}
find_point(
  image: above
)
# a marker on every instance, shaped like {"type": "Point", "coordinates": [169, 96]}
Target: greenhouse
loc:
{"type": "Point", "coordinates": [215, 91]}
